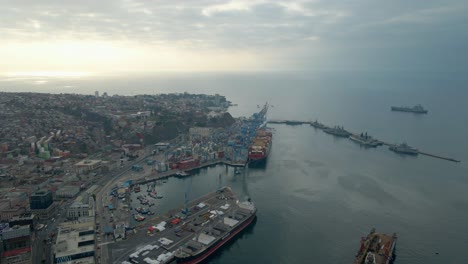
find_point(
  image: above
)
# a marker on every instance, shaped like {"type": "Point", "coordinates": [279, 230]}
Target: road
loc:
{"type": "Point", "coordinates": [102, 198]}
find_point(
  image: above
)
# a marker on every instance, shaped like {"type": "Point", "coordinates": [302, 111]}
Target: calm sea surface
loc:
{"type": "Point", "coordinates": [318, 194]}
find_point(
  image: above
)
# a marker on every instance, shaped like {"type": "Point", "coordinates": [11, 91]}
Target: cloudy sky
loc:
{"type": "Point", "coordinates": [236, 35]}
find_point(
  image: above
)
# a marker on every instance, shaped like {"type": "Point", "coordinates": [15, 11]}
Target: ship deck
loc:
{"type": "Point", "coordinates": [157, 247]}
{"type": "Point", "coordinates": [381, 245]}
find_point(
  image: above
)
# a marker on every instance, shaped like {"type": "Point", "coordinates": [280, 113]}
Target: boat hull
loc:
{"type": "Point", "coordinates": [371, 144]}
{"type": "Point", "coordinates": [257, 162]}
{"type": "Point", "coordinates": [200, 258]}
{"type": "Point", "coordinates": [344, 135]}
{"type": "Point", "coordinates": [398, 109]}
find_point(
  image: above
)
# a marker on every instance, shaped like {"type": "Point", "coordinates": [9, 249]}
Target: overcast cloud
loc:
{"type": "Point", "coordinates": [233, 35]}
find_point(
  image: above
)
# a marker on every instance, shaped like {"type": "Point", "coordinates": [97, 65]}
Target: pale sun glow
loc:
{"type": "Point", "coordinates": [47, 74]}
{"type": "Point", "coordinates": [75, 58]}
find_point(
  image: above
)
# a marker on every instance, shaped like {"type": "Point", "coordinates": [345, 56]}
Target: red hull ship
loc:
{"type": "Point", "coordinates": [260, 147]}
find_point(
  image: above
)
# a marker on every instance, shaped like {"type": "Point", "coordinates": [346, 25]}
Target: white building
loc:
{"type": "Point", "coordinates": [83, 206]}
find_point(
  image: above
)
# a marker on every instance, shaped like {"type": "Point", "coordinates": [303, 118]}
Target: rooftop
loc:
{"type": "Point", "coordinates": [76, 237]}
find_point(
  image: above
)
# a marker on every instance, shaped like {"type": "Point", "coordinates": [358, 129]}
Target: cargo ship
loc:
{"type": "Point", "coordinates": [216, 230]}
{"type": "Point", "coordinates": [376, 248]}
{"type": "Point", "coordinates": [260, 147]}
{"type": "Point", "coordinates": [404, 149]}
{"type": "Point", "coordinates": [418, 109]}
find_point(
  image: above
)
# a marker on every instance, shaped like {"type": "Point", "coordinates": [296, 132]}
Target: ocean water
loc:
{"type": "Point", "coordinates": [318, 194]}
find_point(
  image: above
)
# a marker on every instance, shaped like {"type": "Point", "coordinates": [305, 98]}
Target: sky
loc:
{"type": "Point", "coordinates": [57, 36]}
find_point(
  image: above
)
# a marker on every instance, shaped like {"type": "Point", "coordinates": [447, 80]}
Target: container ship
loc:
{"type": "Point", "coordinates": [260, 147]}
{"type": "Point", "coordinates": [418, 109]}
{"type": "Point", "coordinates": [376, 248]}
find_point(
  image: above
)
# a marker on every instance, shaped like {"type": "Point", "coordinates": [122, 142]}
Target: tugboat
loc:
{"type": "Point", "coordinates": [418, 109]}
{"type": "Point", "coordinates": [318, 125]}
{"type": "Point", "coordinates": [337, 131]}
{"type": "Point", "coordinates": [376, 248]}
{"type": "Point", "coordinates": [365, 140]}
{"type": "Point", "coordinates": [404, 149]}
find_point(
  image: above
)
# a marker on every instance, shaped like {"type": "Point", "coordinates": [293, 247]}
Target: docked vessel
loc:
{"type": "Point", "coordinates": [138, 217]}
{"type": "Point", "coordinates": [415, 109]}
{"type": "Point", "coordinates": [260, 147]}
{"type": "Point", "coordinates": [215, 232]}
{"type": "Point", "coordinates": [376, 248]}
{"type": "Point", "coordinates": [136, 189]}
{"type": "Point", "coordinates": [317, 124]}
{"type": "Point", "coordinates": [337, 131]}
{"type": "Point", "coordinates": [365, 140]}
{"type": "Point", "coordinates": [404, 149]}
{"type": "Point", "coordinates": [200, 229]}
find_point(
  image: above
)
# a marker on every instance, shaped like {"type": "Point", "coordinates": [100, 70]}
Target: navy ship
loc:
{"type": "Point", "coordinates": [365, 140]}
{"type": "Point", "coordinates": [404, 149]}
{"type": "Point", "coordinates": [317, 124]}
{"type": "Point", "coordinates": [337, 131]}
{"type": "Point", "coordinates": [415, 109]}
{"type": "Point", "coordinates": [376, 248]}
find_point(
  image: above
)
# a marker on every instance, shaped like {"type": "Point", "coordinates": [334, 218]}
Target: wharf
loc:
{"type": "Point", "coordinates": [161, 245]}
{"type": "Point", "coordinates": [174, 173]}
{"type": "Point", "coordinates": [296, 122]}
{"type": "Point", "coordinates": [289, 122]}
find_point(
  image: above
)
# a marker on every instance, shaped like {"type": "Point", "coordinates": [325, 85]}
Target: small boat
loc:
{"type": "Point", "coordinates": [139, 217]}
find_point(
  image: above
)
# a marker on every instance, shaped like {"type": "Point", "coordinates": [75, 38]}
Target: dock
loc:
{"type": "Point", "coordinates": [298, 122]}
{"type": "Point", "coordinates": [174, 173]}
{"type": "Point", "coordinates": [289, 122]}
{"type": "Point", "coordinates": [190, 227]}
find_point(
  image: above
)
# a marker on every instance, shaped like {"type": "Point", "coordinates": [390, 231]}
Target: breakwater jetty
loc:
{"type": "Point", "coordinates": [321, 126]}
